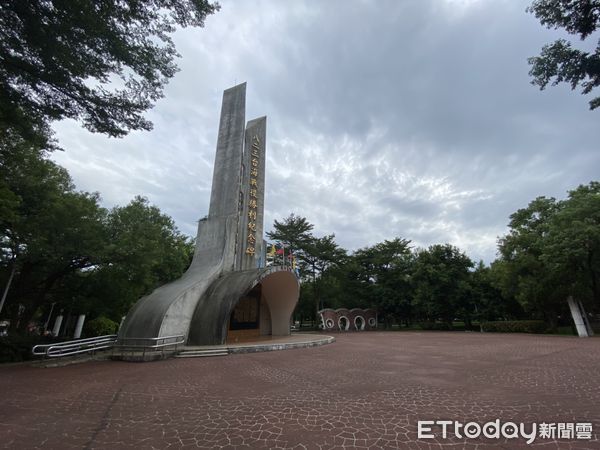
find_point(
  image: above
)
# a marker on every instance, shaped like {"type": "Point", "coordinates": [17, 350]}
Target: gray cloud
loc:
{"type": "Point", "coordinates": [413, 119]}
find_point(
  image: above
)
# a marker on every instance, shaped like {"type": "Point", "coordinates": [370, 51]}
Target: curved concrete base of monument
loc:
{"type": "Point", "coordinates": [262, 344]}
{"type": "Point", "coordinates": [265, 344]}
{"type": "Point", "coordinates": [199, 311]}
{"type": "Point", "coordinates": [275, 288]}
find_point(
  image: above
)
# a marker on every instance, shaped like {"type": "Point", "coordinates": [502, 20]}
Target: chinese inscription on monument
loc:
{"type": "Point", "coordinates": [253, 196]}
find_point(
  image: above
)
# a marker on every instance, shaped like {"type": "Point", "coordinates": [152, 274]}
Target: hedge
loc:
{"type": "Point", "coordinates": [17, 347]}
{"type": "Point", "coordinates": [437, 326]}
{"type": "Point", "coordinates": [101, 326]}
{"type": "Point", "coordinates": [515, 326]}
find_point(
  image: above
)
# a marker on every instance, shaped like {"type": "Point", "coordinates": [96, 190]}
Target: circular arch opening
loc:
{"type": "Point", "coordinates": [359, 323]}
{"type": "Point", "coordinates": [343, 323]}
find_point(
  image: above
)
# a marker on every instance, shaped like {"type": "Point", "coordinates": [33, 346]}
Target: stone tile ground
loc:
{"type": "Point", "coordinates": [367, 390]}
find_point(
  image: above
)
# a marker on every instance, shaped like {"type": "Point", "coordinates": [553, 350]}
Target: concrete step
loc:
{"type": "Point", "coordinates": [202, 353]}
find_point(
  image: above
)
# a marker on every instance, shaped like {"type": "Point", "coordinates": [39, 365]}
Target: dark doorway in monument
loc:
{"type": "Point", "coordinates": [343, 323]}
{"type": "Point", "coordinates": [359, 323]}
{"type": "Point", "coordinates": [250, 317]}
{"type": "Point", "coordinates": [247, 305]}
{"type": "Point", "coordinates": [265, 310]}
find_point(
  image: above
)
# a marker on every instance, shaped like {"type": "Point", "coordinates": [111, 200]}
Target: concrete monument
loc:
{"type": "Point", "coordinates": [224, 295]}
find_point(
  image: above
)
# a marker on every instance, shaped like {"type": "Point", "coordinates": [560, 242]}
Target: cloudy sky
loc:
{"type": "Point", "coordinates": [411, 119]}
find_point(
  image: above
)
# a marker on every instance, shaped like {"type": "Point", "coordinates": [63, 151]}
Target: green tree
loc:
{"type": "Point", "coordinates": [559, 62]}
{"type": "Point", "coordinates": [48, 231]}
{"type": "Point", "coordinates": [316, 256]}
{"type": "Point", "coordinates": [441, 282]}
{"type": "Point", "coordinates": [526, 276]}
{"type": "Point", "coordinates": [552, 251]}
{"type": "Point", "coordinates": [384, 275]}
{"type": "Point", "coordinates": [103, 63]}
{"type": "Point", "coordinates": [294, 232]}
{"type": "Point", "coordinates": [572, 246]}
{"type": "Point", "coordinates": [145, 251]}
{"type": "Point", "coordinates": [319, 255]}
{"type": "Point", "coordinates": [489, 302]}
{"type": "Point", "coordinates": [66, 249]}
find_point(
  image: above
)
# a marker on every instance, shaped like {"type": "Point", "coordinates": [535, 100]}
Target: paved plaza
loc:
{"type": "Point", "coordinates": [366, 390]}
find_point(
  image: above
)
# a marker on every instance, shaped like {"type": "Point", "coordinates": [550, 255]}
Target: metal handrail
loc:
{"type": "Point", "coordinates": [179, 339]}
{"type": "Point", "coordinates": [67, 348]}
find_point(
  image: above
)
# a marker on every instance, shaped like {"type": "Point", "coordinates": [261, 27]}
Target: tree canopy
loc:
{"type": "Point", "coordinates": [441, 283]}
{"type": "Point", "coordinates": [66, 249]}
{"type": "Point", "coordinates": [552, 251]}
{"type": "Point", "coordinates": [560, 62]}
{"type": "Point", "coordinates": [293, 232]}
{"type": "Point", "coordinates": [103, 63]}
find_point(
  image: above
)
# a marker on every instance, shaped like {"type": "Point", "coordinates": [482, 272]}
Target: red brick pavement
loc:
{"type": "Point", "coordinates": [367, 390]}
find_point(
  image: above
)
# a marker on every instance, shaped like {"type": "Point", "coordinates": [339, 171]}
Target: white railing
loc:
{"type": "Point", "coordinates": [133, 345]}
{"type": "Point", "coordinates": [68, 348]}
{"type": "Point", "coordinates": [144, 345]}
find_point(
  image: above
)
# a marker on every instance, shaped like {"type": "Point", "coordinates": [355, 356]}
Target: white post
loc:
{"type": "Point", "coordinates": [578, 317]}
{"type": "Point", "coordinates": [49, 317]}
{"type": "Point", "coordinates": [57, 324]}
{"type": "Point", "coordinates": [79, 326]}
{"type": "Point", "coordinates": [121, 323]}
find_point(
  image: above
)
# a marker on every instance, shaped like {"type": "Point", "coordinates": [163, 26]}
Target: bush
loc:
{"type": "Point", "coordinates": [437, 326]}
{"type": "Point", "coordinates": [515, 326]}
{"type": "Point", "coordinates": [100, 326]}
{"type": "Point", "coordinates": [17, 347]}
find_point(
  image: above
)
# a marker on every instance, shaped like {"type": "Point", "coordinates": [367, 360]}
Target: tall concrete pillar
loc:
{"type": "Point", "coordinates": [252, 196]}
{"type": "Point", "coordinates": [169, 309]}
{"type": "Point", "coordinates": [79, 326]}
{"type": "Point", "coordinates": [57, 324]}
{"type": "Point", "coordinates": [229, 241]}
{"type": "Point", "coordinates": [224, 196]}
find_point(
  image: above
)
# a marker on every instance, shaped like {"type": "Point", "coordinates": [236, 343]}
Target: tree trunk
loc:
{"type": "Point", "coordinates": [317, 303]}
{"type": "Point", "coordinates": [32, 308]}
{"type": "Point", "coordinates": [468, 323]}
{"type": "Point", "coordinates": [594, 282]}
{"type": "Point", "coordinates": [8, 283]}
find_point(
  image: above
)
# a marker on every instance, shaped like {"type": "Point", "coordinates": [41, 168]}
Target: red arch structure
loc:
{"type": "Point", "coordinates": [343, 319]}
